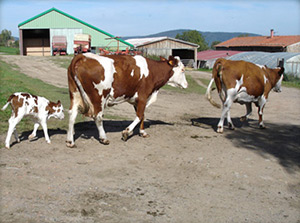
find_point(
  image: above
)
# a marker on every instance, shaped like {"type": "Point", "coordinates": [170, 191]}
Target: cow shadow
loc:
{"type": "Point", "coordinates": [88, 129]}
{"type": "Point", "coordinates": [281, 141]}
{"type": "Point", "coordinates": [39, 134]}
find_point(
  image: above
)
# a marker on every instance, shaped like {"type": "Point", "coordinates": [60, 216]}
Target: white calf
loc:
{"type": "Point", "coordinates": [41, 109]}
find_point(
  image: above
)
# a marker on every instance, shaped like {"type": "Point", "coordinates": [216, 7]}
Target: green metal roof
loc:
{"type": "Point", "coordinates": [77, 20]}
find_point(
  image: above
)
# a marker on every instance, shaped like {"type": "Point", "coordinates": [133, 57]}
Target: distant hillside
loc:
{"type": "Point", "coordinates": [208, 36]}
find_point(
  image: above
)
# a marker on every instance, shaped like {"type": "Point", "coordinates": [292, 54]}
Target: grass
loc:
{"type": "Point", "coordinates": [193, 87]}
{"type": "Point", "coordinates": [291, 81]}
{"type": "Point", "coordinates": [9, 50]}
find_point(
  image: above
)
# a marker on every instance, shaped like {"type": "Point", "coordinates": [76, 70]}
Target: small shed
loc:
{"type": "Point", "coordinates": [166, 46]}
{"type": "Point", "coordinates": [37, 32]}
{"type": "Point", "coordinates": [207, 58]}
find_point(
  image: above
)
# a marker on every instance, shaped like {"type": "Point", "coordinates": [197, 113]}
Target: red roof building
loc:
{"type": "Point", "coordinates": [262, 43]}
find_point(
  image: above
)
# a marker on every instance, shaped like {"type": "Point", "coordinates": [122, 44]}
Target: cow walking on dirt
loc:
{"type": "Point", "coordinates": [243, 82]}
{"type": "Point", "coordinates": [99, 81]}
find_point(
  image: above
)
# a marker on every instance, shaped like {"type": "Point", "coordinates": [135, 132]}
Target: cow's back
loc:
{"type": "Point", "coordinates": [232, 71]}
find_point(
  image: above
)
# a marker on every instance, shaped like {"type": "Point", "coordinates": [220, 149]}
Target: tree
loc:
{"type": "Point", "coordinates": [193, 36]}
{"type": "Point", "coordinates": [212, 46]}
{"type": "Point", "coordinates": [4, 37]}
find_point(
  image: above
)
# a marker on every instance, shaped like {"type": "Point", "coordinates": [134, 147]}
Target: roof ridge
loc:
{"type": "Point", "coordinates": [76, 19]}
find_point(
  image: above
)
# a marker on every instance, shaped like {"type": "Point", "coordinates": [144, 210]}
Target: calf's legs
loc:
{"type": "Point", "coordinates": [13, 121]}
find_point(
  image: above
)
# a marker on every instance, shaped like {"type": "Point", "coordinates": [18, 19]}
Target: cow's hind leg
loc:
{"type": "Point", "coordinates": [13, 121]}
{"type": "Point", "coordinates": [70, 135]}
{"type": "Point", "coordinates": [99, 124]}
{"type": "Point", "coordinates": [226, 107]}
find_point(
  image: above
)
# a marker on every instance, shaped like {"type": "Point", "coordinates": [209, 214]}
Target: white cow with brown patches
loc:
{"type": "Point", "coordinates": [39, 108]}
{"type": "Point", "coordinates": [97, 81]}
{"type": "Point", "coordinates": [243, 82]}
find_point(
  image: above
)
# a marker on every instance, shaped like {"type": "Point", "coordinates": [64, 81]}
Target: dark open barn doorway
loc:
{"type": "Point", "coordinates": [186, 56]}
{"type": "Point", "coordinates": [36, 42]}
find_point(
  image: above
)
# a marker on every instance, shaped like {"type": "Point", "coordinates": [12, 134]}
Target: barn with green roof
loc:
{"type": "Point", "coordinates": [37, 32]}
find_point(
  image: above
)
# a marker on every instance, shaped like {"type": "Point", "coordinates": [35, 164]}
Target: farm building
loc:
{"type": "Point", "coordinates": [207, 58]}
{"type": "Point", "coordinates": [262, 43]}
{"type": "Point", "coordinates": [36, 34]}
{"type": "Point", "coordinates": [166, 46]}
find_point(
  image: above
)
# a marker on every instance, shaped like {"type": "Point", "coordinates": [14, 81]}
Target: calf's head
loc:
{"type": "Point", "coordinates": [178, 78]}
{"type": "Point", "coordinates": [56, 110]}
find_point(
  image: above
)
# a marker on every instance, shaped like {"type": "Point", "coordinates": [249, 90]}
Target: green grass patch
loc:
{"type": "Point", "coordinates": [291, 81]}
{"type": "Point", "coordinates": [62, 61]}
{"type": "Point", "coordinates": [9, 50]}
{"type": "Point", "coordinates": [193, 87]}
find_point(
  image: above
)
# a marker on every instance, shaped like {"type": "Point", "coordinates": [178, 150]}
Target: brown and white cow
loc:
{"type": "Point", "coordinates": [39, 108]}
{"type": "Point", "coordinates": [98, 81]}
{"type": "Point", "coordinates": [243, 82]}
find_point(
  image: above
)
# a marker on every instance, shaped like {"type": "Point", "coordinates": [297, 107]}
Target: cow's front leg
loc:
{"type": "Point", "coordinates": [45, 129]}
{"type": "Point", "coordinates": [140, 108]}
{"type": "Point", "coordinates": [99, 124]}
{"type": "Point", "coordinates": [248, 113]}
{"type": "Point", "coordinates": [35, 128]}
{"type": "Point", "coordinates": [143, 133]}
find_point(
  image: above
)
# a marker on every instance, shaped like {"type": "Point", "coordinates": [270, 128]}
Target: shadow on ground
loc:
{"type": "Point", "coordinates": [88, 129]}
{"type": "Point", "coordinates": [281, 141]}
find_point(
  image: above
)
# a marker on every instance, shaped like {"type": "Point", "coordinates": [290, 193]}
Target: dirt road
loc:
{"type": "Point", "coordinates": [184, 172]}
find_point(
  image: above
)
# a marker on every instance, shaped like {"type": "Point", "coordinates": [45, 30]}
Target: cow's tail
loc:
{"type": "Point", "coordinates": [75, 85]}
{"type": "Point", "coordinates": [8, 103]}
{"type": "Point", "coordinates": [208, 94]}
{"type": "Point", "coordinates": [216, 77]}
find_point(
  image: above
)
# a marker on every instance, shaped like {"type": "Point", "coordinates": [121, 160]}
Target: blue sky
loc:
{"type": "Point", "coordinates": [143, 17]}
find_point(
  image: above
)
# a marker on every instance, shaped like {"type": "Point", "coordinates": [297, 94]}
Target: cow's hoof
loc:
{"type": "Point", "coordinates": [144, 135]}
{"type": "Point", "coordinates": [243, 118]}
{"type": "Point", "coordinates": [104, 141]}
{"type": "Point", "coordinates": [125, 135]}
{"type": "Point", "coordinates": [231, 126]}
{"type": "Point", "coordinates": [31, 137]}
{"type": "Point", "coordinates": [7, 147]}
{"type": "Point", "coordinates": [70, 144]}
{"type": "Point", "coordinates": [220, 129]}
{"type": "Point", "coordinates": [262, 126]}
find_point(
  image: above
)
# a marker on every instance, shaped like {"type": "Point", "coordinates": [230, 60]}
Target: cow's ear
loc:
{"type": "Point", "coordinates": [58, 102]}
{"type": "Point", "coordinates": [162, 58]}
{"type": "Point", "coordinates": [281, 71]}
{"type": "Point", "coordinates": [173, 61]}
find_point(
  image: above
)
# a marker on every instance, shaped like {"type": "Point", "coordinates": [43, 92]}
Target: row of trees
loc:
{"type": "Point", "coordinates": [194, 36]}
{"type": "Point", "coordinates": [6, 39]}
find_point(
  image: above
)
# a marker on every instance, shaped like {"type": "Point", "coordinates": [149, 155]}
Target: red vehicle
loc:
{"type": "Point", "coordinates": [59, 45]}
{"type": "Point", "coordinates": [82, 43]}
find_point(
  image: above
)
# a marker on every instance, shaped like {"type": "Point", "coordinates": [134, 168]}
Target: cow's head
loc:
{"type": "Point", "coordinates": [178, 78]}
{"type": "Point", "coordinates": [56, 110]}
{"type": "Point", "coordinates": [279, 77]}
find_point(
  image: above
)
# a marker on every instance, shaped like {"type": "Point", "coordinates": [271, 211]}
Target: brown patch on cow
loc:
{"type": "Point", "coordinates": [50, 106]}
{"type": "Point", "coordinates": [89, 72]}
{"type": "Point", "coordinates": [15, 103]}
